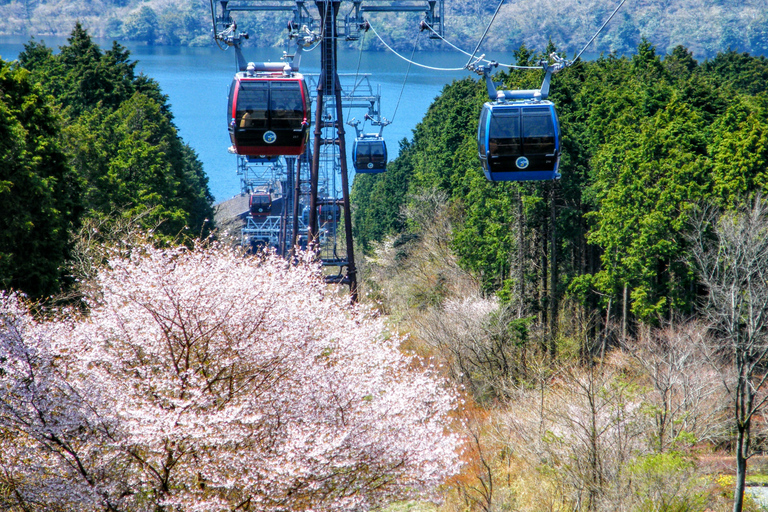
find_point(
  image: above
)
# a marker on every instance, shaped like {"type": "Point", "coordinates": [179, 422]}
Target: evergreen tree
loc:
{"type": "Point", "coordinates": [39, 193]}
{"type": "Point", "coordinates": [643, 139]}
{"type": "Point", "coordinates": [120, 137]}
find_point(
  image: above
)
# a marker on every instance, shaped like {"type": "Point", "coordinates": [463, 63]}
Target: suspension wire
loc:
{"type": "Point", "coordinates": [410, 61]}
{"type": "Point", "coordinates": [415, 43]}
{"type": "Point", "coordinates": [600, 29]}
{"type": "Point", "coordinates": [215, 34]}
{"type": "Point", "coordinates": [322, 30]}
{"type": "Point", "coordinates": [328, 6]}
{"type": "Point", "coordinates": [510, 66]}
{"type": "Point", "coordinates": [498, 8]}
{"type": "Point", "coordinates": [357, 73]}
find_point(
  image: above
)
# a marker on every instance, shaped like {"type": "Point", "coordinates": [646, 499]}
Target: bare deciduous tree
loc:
{"type": "Point", "coordinates": [582, 430]}
{"type": "Point", "coordinates": [418, 270]}
{"type": "Point", "coordinates": [686, 398]}
{"type": "Point", "coordinates": [731, 251]}
{"type": "Point", "coordinates": [484, 345]}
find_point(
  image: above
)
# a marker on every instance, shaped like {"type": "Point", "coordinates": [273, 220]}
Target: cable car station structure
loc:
{"type": "Point", "coordinates": [325, 153]}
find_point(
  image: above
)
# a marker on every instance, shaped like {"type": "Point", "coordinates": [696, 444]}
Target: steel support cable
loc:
{"type": "Point", "coordinates": [328, 6]}
{"type": "Point", "coordinates": [357, 73]}
{"type": "Point", "coordinates": [215, 34]}
{"type": "Point", "coordinates": [498, 8]}
{"type": "Point", "coordinates": [397, 106]}
{"type": "Point", "coordinates": [322, 29]}
{"type": "Point", "coordinates": [600, 29]}
{"type": "Point", "coordinates": [410, 61]}
{"type": "Point", "coordinates": [510, 66]}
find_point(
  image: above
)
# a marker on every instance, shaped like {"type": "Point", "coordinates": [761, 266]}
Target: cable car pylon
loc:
{"type": "Point", "coordinates": [329, 85]}
{"type": "Point", "coordinates": [328, 123]}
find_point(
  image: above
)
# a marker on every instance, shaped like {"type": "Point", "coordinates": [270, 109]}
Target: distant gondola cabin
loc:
{"type": "Point", "coordinates": [268, 114]}
{"type": "Point", "coordinates": [329, 213]}
{"type": "Point", "coordinates": [519, 141]}
{"type": "Point", "coordinates": [260, 204]}
{"type": "Point", "coordinates": [369, 154]}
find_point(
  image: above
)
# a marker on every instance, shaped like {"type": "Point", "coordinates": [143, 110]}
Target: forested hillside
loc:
{"type": "Point", "coordinates": [595, 344]}
{"type": "Point", "coordinates": [609, 327]}
{"type": "Point", "coordinates": [646, 139]}
{"type": "Point", "coordinates": [703, 27]}
{"type": "Point", "coordinates": [88, 148]}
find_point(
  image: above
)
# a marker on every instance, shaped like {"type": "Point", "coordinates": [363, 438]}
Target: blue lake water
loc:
{"type": "Point", "coordinates": [197, 80]}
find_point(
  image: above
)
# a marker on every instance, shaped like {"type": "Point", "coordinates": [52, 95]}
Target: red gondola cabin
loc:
{"type": "Point", "coordinates": [268, 114]}
{"type": "Point", "coordinates": [260, 204]}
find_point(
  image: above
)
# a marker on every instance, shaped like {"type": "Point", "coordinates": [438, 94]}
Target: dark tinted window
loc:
{"type": "Point", "coordinates": [538, 134]}
{"type": "Point", "coordinates": [286, 105]}
{"type": "Point", "coordinates": [378, 152]}
{"type": "Point", "coordinates": [252, 105]}
{"type": "Point", "coordinates": [370, 151]}
{"type": "Point", "coordinates": [362, 153]}
{"type": "Point", "coordinates": [481, 132]}
{"type": "Point", "coordinates": [504, 133]}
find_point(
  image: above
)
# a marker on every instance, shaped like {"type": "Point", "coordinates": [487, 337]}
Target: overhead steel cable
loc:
{"type": "Point", "coordinates": [409, 60]}
{"type": "Point", "coordinates": [397, 106]}
{"type": "Point", "coordinates": [600, 29]}
{"type": "Point", "coordinates": [357, 73]}
{"type": "Point", "coordinates": [485, 33]}
{"type": "Point", "coordinates": [510, 66]}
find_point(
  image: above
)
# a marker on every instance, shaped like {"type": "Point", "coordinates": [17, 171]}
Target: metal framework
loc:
{"type": "Point", "coordinates": [328, 158]}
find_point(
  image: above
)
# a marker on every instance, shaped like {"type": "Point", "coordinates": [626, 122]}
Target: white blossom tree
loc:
{"type": "Point", "coordinates": [205, 381]}
{"type": "Point", "coordinates": [48, 438]}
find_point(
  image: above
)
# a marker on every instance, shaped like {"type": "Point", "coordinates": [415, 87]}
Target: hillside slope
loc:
{"type": "Point", "coordinates": [703, 27]}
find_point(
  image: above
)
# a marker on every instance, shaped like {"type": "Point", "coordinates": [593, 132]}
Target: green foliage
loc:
{"type": "Point", "coordinates": [83, 138]}
{"type": "Point", "coordinates": [142, 25]}
{"type": "Point", "coordinates": [81, 76]}
{"type": "Point", "coordinates": [120, 137]}
{"type": "Point", "coordinates": [39, 194]}
{"type": "Point", "coordinates": [644, 140]}
{"type": "Point", "coordinates": [667, 481]}
{"type": "Point", "coordinates": [645, 184]}
{"type": "Point", "coordinates": [745, 73]}
{"type": "Point", "coordinates": [740, 152]}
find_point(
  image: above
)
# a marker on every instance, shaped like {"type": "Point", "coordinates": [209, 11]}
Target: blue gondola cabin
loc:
{"type": "Point", "coordinates": [369, 154]}
{"type": "Point", "coordinates": [519, 141]}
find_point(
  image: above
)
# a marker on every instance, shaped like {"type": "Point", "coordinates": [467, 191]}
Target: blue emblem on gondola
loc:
{"type": "Point", "coordinates": [270, 137]}
{"type": "Point", "coordinates": [522, 162]}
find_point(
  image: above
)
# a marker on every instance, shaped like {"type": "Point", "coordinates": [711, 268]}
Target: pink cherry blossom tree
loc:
{"type": "Point", "coordinates": [202, 380]}
{"type": "Point", "coordinates": [49, 439]}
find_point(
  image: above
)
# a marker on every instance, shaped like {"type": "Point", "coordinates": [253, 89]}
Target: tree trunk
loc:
{"type": "Point", "coordinates": [553, 274]}
{"type": "Point", "coordinates": [545, 296]}
{"type": "Point", "coordinates": [742, 443]}
{"type": "Point", "coordinates": [605, 331]}
{"type": "Point", "coordinates": [624, 314]}
{"type": "Point", "coordinates": [520, 257]}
